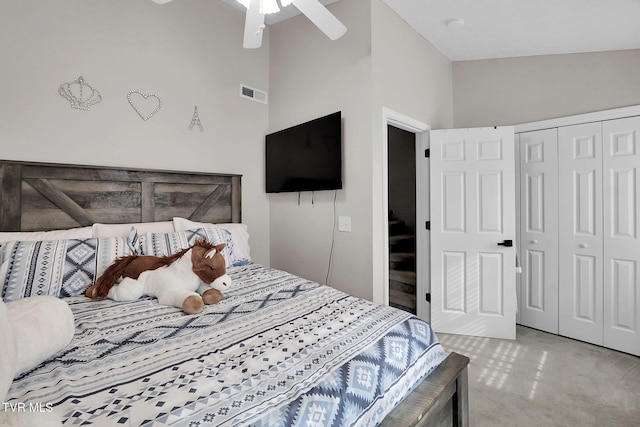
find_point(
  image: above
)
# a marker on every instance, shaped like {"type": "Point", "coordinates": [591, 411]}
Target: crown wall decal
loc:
{"type": "Point", "coordinates": [80, 94]}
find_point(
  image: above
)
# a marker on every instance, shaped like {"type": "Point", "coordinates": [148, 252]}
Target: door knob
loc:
{"type": "Point", "coordinates": [584, 245]}
{"type": "Point", "coordinates": [533, 242]}
{"type": "Point", "coordinates": [506, 243]}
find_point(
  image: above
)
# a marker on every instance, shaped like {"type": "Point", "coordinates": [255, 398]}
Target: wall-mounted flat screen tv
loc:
{"type": "Point", "coordinates": [305, 157]}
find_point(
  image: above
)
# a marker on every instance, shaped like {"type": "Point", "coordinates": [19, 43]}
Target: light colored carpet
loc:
{"type": "Point", "coordinates": [542, 379]}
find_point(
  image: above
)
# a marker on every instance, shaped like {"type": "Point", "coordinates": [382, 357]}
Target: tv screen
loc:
{"type": "Point", "coordinates": [306, 157]}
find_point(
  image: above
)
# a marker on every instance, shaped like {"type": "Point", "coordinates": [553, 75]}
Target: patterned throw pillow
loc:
{"type": "Point", "coordinates": [163, 244]}
{"type": "Point", "coordinates": [60, 268]}
{"type": "Point", "coordinates": [239, 233]}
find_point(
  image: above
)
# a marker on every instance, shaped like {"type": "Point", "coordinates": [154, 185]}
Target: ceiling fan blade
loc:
{"type": "Point", "coordinates": [253, 26]}
{"type": "Point", "coordinates": [320, 15]}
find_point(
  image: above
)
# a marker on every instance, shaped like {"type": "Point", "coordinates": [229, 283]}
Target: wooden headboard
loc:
{"type": "Point", "coordinates": [45, 196]}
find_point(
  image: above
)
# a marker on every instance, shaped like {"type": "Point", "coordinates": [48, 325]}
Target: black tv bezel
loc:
{"type": "Point", "coordinates": [339, 184]}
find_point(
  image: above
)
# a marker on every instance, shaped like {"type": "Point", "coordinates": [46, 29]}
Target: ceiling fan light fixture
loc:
{"type": "Point", "coordinates": [266, 6]}
{"type": "Point", "coordinates": [269, 6]}
{"type": "Point", "coordinates": [312, 9]}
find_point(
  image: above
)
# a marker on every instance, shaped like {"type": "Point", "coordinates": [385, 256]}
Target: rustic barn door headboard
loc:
{"type": "Point", "coordinates": [44, 196]}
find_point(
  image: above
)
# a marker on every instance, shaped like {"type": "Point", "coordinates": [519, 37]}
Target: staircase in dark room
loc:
{"type": "Point", "coordinates": [402, 266]}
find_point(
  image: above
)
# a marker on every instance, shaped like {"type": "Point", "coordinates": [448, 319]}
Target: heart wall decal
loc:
{"type": "Point", "coordinates": [146, 105]}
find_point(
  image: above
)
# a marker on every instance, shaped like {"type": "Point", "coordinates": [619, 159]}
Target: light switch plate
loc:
{"type": "Point", "coordinates": [344, 223]}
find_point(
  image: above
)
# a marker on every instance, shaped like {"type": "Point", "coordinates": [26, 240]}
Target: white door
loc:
{"type": "Point", "coordinates": [580, 232]}
{"type": "Point", "coordinates": [473, 265]}
{"type": "Point", "coordinates": [621, 181]}
{"type": "Point", "coordinates": [539, 229]}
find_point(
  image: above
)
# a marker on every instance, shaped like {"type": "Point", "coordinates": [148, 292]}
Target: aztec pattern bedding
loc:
{"type": "Point", "coordinates": [278, 350]}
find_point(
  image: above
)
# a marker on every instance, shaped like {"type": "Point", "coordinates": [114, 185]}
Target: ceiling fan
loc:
{"type": "Point", "coordinates": [257, 9]}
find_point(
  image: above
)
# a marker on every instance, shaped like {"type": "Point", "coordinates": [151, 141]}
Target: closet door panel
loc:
{"type": "Point", "coordinates": [539, 229]}
{"type": "Point", "coordinates": [621, 181]}
{"type": "Point", "coordinates": [580, 232]}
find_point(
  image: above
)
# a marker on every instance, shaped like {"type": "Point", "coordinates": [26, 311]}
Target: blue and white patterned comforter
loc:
{"type": "Point", "coordinates": [278, 350]}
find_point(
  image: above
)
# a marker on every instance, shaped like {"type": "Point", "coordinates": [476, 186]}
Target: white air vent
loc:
{"type": "Point", "coordinates": [252, 93]}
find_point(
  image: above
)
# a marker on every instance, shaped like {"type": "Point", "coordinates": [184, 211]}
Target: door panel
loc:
{"type": "Point", "coordinates": [580, 232]}
{"type": "Point", "coordinates": [539, 229]}
{"type": "Point", "coordinates": [621, 158]}
{"type": "Point", "coordinates": [491, 283]}
{"type": "Point", "coordinates": [454, 268]}
{"type": "Point", "coordinates": [490, 202]}
{"type": "Point", "coordinates": [585, 292]}
{"type": "Point", "coordinates": [454, 192]}
{"type": "Point", "coordinates": [473, 210]}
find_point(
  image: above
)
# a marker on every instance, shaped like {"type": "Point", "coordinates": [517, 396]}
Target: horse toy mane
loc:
{"type": "Point", "coordinates": [173, 279]}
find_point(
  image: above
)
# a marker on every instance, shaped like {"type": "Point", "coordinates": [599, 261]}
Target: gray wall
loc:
{"type": "Point", "coordinates": [520, 90]}
{"type": "Point", "coordinates": [311, 76]}
{"type": "Point", "coordinates": [380, 62]}
{"type": "Point", "coordinates": [410, 77]}
{"type": "Point", "coordinates": [186, 52]}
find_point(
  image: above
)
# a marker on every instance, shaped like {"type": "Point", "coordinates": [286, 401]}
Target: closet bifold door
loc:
{"type": "Point", "coordinates": [580, 232]}
{"type": "Point", "coordinates": [539, 229]}
{"type": "Point", "coordinates": [621, 181]}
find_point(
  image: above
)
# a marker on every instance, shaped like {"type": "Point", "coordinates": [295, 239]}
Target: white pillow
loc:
{"type": "Point", "coordinates": [31, 236]}
{"type": "Point", "coordinates": [31, 331]}
{"type": "Point", "coordinates": [122, 230]}
{"type": "Point", "coordinates": [239, 233]}
{"type": "Point", "coordinates": [42, 326]}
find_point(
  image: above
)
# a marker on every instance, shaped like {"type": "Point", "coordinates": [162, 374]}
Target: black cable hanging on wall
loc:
{"type": "Point", "coordinates": [333, 236]}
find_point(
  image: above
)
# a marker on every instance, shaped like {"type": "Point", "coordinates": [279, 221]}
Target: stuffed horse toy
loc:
{"type": "Point", "coordinates": [188, 279]}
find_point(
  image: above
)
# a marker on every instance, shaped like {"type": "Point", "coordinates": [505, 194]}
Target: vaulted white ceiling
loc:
{"type": "Point", "coordinates": [509, 28]}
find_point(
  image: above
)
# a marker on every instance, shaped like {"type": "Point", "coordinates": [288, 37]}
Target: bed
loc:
{"type": "Point", "coordinates": [278, 350]}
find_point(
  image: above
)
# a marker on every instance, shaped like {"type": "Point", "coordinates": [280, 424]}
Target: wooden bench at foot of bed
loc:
{"type": "Point", "coordinates": [442, 399]}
